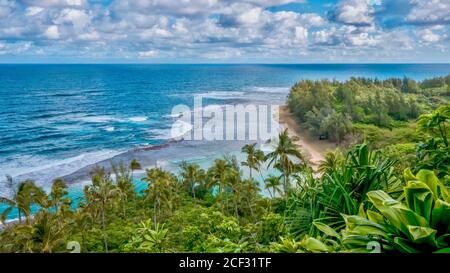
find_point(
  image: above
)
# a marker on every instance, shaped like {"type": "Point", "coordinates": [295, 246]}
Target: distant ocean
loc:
{"type": "Point", "coordinates": [56, 119]}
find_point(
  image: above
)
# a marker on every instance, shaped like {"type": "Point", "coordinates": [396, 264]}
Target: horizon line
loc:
{"type": "Point", "coordinates": [224, 63]}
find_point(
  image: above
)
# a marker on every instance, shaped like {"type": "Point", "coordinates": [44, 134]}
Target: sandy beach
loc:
{"type": "Point", "coordinates": [312, 147]}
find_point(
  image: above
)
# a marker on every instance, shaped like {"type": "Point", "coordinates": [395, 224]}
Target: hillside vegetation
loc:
{"type": "Point", "coordinates": [389, 193]}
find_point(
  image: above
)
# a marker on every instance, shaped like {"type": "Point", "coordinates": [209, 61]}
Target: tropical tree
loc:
{"type": "Point", "coordinates": [254, 158]}
{"type": "Point", "coordinates": [217, 175]}
{"type": "Point", "coordinates": [272, 184]}
{"type": "Point", "coordinates": [192, 177]}
{"type": "Point", "coordinates": [22, 199]}
{"type": "Point", "coordinates": [283, 156]}
{"type": "Point", "coordinates": [162, 189]}
{"type": "Point", "coordinates": [48, 233]}
{"type": "Point", "coordinates": [58, 195]}
{"type": "Point", "coordinates": [330, 162]}
{"type": "Point", "coordinates": [124, 183]}
{"type": "Point", "coordinates": [101, 195]}
{"type": "Point", "coordinates": [234, 181]}
{"type": "Point", "coordinates": [134, 165]}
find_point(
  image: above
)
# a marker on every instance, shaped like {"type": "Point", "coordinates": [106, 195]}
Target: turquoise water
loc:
{"type": "Point", "coordinates": [56, 119]}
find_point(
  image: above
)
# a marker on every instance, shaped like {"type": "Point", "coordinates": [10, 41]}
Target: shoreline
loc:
{"type": "Point", "coordinates": [313, 148]}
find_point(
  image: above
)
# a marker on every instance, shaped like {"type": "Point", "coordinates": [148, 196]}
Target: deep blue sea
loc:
{"type": "Point", "coordinates": [55, 119]}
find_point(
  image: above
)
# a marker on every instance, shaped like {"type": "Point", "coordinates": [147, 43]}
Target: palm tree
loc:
{"type": "Point", "coordinates": [161, 189]}
{"type": "Point", "coordinates": [103, 193]}
{"type": "Point", "coordinates": [57, 194]}
{"type": "Point", "coordinates": [330, 162]}
{"type": "Point", "coordinates": [254, 157]}
{"type": "Point", "coordinates": [217, 173]}
{"type": "Point", "coordinates": [47, 234]}
{"type": "Point", "coordinates": [272, 182]}
{"type": "Point", "coordinates": [281, 157]}
{"type": "Point", "coordinates": [250, 190]}
{"type": "Point", "coordinates": [22, 199]}
{"type": "Point", "coordinates": [134, 165]}
{"type": "Point", "coordinates": [233, 179]}
{"type": "Point", "coordinates": [124, 184]}
{"type": "Point", "coordinates": [192, 175]}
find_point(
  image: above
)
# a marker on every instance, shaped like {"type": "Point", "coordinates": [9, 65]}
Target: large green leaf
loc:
{"type": "Point", "coordinates": [375, 217]}
{"type": "Point", "coordinates": [326, 229]}
{"type": "Point", "coordinates": [423, 235]}
{"type": "Point", "coordinates": [419, 198]}
{"type": "Point", "coordinates": [403, 245]}
{"type": "Point", "coordinates": [314, 245]}
{"type": "Point", "coordinates": [441, 216]}
{"type": "Point", "coordinates": [395, 212]}
{"type": "Point", "coordinates": [444, 250]}
{"type": "Point", "coordinates": [430, 179]}
{"type": "Point", "coordinates": [361, 226]}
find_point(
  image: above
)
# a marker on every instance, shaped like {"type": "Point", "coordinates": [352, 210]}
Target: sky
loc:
{"type": "Point", "coordinates": [224, 31]}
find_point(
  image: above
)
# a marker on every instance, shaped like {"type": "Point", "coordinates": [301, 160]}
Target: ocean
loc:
{"type": "Point", "coordinates": [57, 119]}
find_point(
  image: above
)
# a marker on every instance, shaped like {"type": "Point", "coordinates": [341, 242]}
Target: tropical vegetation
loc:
{"type": "Point", "coordinates": [385, 189]}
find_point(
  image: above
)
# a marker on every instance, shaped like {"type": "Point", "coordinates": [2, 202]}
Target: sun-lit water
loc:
{"type": "Point", "coordinates": [56, 119]}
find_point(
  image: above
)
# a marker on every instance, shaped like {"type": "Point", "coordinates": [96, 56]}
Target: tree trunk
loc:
{"type": "Point", "coordinates": [154, 213]}
{"type": "Point", "coordinates": [251, 210]}
{"type": "Point", "coordinates": [105, 241]}
{"type": "Point", "coordinates": [270, 193]}
{"type": "Point", "coordinates": [20, 215]}
{"type": "Point", "coordinates": [236, 211]}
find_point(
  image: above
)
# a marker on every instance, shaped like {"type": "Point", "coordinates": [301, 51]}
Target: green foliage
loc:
{"type": "Point", "coordinates": [434, 153]}
{"type": "Point", "coordinates": [328, 109]}
{"type": "Point", "coordinates": [356, 201]}
{"type": "Point", "coordinates": [418, 223]}
{"type": "Point", "coordinates": [148, 239]}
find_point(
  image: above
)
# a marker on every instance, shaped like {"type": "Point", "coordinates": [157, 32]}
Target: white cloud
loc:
{"type": "Point", "coordinates": [353, 12]}
{"type": "Point", "coordinates": [250, 17]}
{"type": "Point", "coordinates": [428, 36]}
{"type": "Point", "coordinates": [90, 36]}
{"type": "Point", "coordinates": [363, 39]}
{"type": "Point", "coordinates": [78, 18]}
{"type": "Point", "coordinates": [52, 32]}
{"type": "Point", "coordinates": [30, 11]}
{"type": "Point", "coordinates": [148, 54]}
{"type": "Point", "coordinates": [430, 12]}
{"type": "Point", "coordinates": [217, 29]}
{"type": "Point", "coordinates": [56, 3]}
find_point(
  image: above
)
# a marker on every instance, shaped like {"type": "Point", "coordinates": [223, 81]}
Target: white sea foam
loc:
{"type": "Point", "coordinates": [222, 95]}
{"type": "Point", "coordinates": [97, 119]}
{"type": "Point", "coordinates": [109, 128]}
{"type": "Point", "coordinates": [43, 170]}
{"type": "Point", "coordinates": [138, 119]}
{"type": "Point", "coordinates": [159, 133]}
{"type": "Point", "coordinates": [264, 89]}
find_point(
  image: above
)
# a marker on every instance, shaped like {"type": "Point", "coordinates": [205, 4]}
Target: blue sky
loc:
{"type": "Point", "coordinates": [224, 31]}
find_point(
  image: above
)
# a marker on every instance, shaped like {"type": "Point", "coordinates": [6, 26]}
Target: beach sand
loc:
{"type": "Point", "coordinates": [312, 147]}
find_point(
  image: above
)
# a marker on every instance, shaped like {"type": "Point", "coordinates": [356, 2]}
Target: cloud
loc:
{"type": "Point", "coordinates": [55, 3]}
{"type": "Point", "coordinates": [221, 29]}
{"type": "Point", "coordinates": [30, 11]}
{"type": "Point", "coordinates": [52, 32]}
{"type": "Point", "coordinates": [430, 35]}
{"type": "Point", "coordinates": [148, 54]}
{"type": "Point", "coordinates": [352, 12]}
{"type": "Point", "coordinates": [430, 12]}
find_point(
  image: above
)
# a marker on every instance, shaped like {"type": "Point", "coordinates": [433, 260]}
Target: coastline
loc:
{"type": "Point", "coordinates": [313, 148]}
